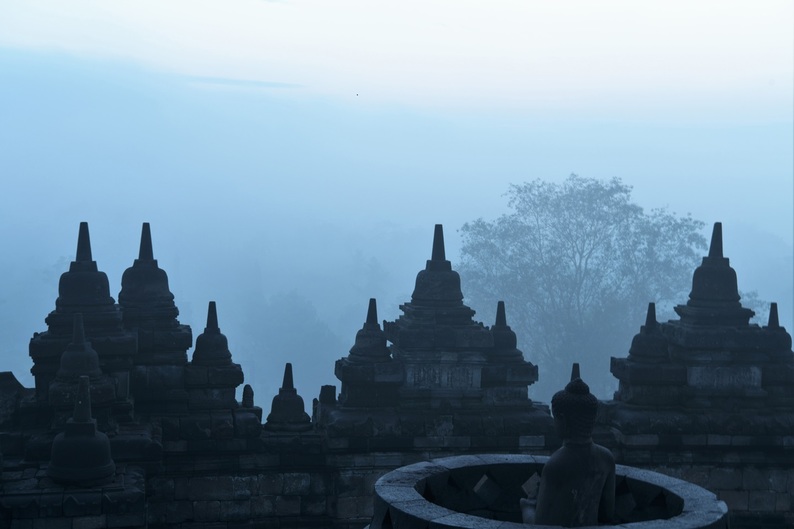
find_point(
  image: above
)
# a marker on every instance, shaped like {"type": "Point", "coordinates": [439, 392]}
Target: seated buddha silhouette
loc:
{"type": "Point", "coordinates": [577, 484]}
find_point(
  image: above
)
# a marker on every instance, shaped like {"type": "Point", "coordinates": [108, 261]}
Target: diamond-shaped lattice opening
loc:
{"type": "Point", "coordinates": [530, 486]}
{"type": "Point", "coordinates": [487, 489]}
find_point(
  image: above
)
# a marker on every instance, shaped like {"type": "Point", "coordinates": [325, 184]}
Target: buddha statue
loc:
{"type": "Point", "coordinates": [577, 484]}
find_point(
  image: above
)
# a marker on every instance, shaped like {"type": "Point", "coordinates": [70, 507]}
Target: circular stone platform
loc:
{"type": "Point", "coordinates": [483, 492]}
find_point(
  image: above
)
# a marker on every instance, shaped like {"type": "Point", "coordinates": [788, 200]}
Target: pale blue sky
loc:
{"type": "Point", "coordinates": [304, 138]}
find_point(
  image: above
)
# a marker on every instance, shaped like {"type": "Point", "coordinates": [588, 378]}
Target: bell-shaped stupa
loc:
{"type": "Point", "coordinates": [81, 453]}
{"type": "Point", "coordinates": [287, 413]}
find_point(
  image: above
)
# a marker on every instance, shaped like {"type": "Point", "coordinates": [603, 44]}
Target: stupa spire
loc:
{"type": "Point", "coordinates": [439, 254]}
{"type": "Point", "coordinates": [83, 244]}
{"type": "Point", "coordinates": [145, 253]}
{"type": "Point", "coordinates": [575, 371]}
{"type": "Point", "coordinates": [501, 319]}
{"type": "Point", "coordinates": [212, 319]}
{"type": "Point", "coordinates": [287, 383]}
{"type": "Point", "coordinates": [715, 248]}
{"type": "Point", "coordinates": [774, 320]}
{"type": "Point", "coordinates": [650, 317]}
{"type": "Point", "coordinates": [372, 312]}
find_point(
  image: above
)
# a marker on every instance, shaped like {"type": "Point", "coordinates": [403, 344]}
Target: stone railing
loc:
{"type": "Point", "coordinates": [484, 491]}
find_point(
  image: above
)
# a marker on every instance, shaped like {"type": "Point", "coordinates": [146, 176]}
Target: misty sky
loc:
{"type": "Point", "coordinates": [293, 156]}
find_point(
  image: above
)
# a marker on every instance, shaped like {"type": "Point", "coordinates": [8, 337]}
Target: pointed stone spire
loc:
{"type": "Point", "coordinates": [286, 383]}
{"type": "Point", "coordinates": [79, 358]}
{"type": "Point", "coordinates": [714, 299]}
{"type": "Point", "coordinates": [370, 343]}
{"type": "Point", "coordinates": [575, 371]}
{"type": "Point", "coordinates": [81, 454]}
{"type": "Point", "coordinates": [83, 244]}
{"type": "Point", "coordinates": [650, 317]}
{"type": "Point", "coordinates": [212, 348]}
{"type": "Point", "coordinates": [372, 312]}
{"type": "Point", "coordinates": [439, 253]}
{"type": "Point", "coordinates": [287, 413]}
{"type": "Point", "coordinates": [774, 320]}
{"type": "Point", "coordinates": [715, 248]}
{"type": "Point", "coordinates": [145, 253]}
{"type": "Point", "coordinates": [501, 319]}
{"type": "Point", "coordinates": [212, 320]}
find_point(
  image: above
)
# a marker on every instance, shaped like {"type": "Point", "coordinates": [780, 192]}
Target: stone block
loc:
{"type": "Point", "coordinates": [161, 488]}
{"type": "Point", "coordinates": [347, 507]}
{"type": "Point", "coordinates": [229, 376]}
{"type": "Point", "coordinates": [235, 510]}
{"type": "Point", "coordinates": [211, 488]}
{"type": "Point", "coordinates": [783, 502]}
{"type": "Point", "coordinates": [778, 479]}
{"type": "Point", "coordinates": [297, 483]}
{"type": "Point", "coordinates": [724, 378]}
{"type": "Point", "coordinates": [126, 521]}
{"type": "Point", "coordinates": [196, 376]}
{"type": "Point", "coordinates": [762, 500]}
{"type": "Point", "coordinates": [737, 500]}
{"type": "Point", "coordinates": [246, 424]}
{"type": "Point", "coordinates": [319, 484]}
{"type": "Point", "coordinates": [195, 427]}
{"type": "Point", "coordinates": [288, 505]}
{"type": "Point", "coordinates": [313, 505]}
{"type": "Point", "coordinates": [178, 511]}
{"type": "Point", "coordinates": [350, 483]}
{"type": "Point", "coordinates": [82, 503]}
{"type": "Point", "coordinates": [55, 523]}
{"type": "Point", "coordinates": [262, 506]}
{"type": "Point", "coordinates": [245, 487]}
{"type": "Point", "coordinates": [719, 440]}
{"type": "Point", "coordinates": [207, 511]}
{"type": "Point", "coordinates": [222, 424]}
{"type": "Point", "coordinates": [725, 479]}
{"type": "Point", "coordinates": [641, 440]}
{"type": "Point", "coordinates": [51, 505]}
{"type": "Point", "coordinates": [181, 488]}
{"type": "Point", "coordinates": [270, 483]}
{"type": "Point", "coordinates": [756, 479]}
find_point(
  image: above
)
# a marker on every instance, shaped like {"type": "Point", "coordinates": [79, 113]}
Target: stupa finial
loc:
{"type": "Point", "coordinates": [575, 371]}
{"type": "Point", "coordinates": [145, 253]}
{"type": "Point", "coordinates": [774, 321]}
{"type": "Point", "coordinates": [83, 244]}
{"type": "Point", "coordinates": [372, 312]}
{"type": "Point", "coordinates": [501, 319]}
{"type": "Point", "coordinates": [287, 383]}
{"type": "Point", "coordinates": [715, 248]}
{"type": "Point", "coordinates": [439, 253]}
{"type": "Point", "coordinates": [212, 319]}
{"type": "Point", "coordinates": [650, 317]}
